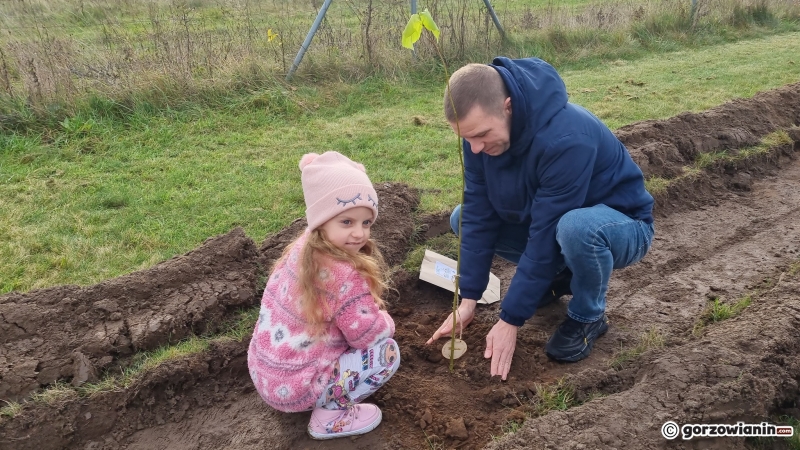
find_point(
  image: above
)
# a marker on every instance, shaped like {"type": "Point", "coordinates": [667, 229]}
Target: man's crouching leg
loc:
{"type": "Point", "coordinates": [511, 245]}
{"type": "Point", "coordinates": [594, 242]}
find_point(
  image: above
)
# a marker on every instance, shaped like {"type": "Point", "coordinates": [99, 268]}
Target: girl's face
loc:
{"type": "Point", "coordinates": [349, 230]}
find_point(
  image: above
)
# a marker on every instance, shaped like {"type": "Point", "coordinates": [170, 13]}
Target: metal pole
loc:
{"type": "Point", "coordinates": [414, 11]}
{"type": "Point", "coordinates": [309, 37]}
{"type": "Point", "coordinates": [495, 19]}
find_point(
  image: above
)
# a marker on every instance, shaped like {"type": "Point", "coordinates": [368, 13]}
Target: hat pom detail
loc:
{"type": "Point", "coordinates": [307, 159]}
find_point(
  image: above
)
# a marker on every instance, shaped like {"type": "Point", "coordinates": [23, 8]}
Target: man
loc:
{"type": "Point", "coordinates": [548, 187]}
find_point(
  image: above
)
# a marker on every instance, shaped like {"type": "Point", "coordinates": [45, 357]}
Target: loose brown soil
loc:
{"type": "Point", "coordinates": [71, 333]}
{"type": "Point", "coordinates": [727, 232]}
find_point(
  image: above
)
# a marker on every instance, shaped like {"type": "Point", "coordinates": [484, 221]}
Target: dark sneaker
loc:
{"type": "Point", "coordinates": [558, 288]}
{"type": "Point", "coordinates": [574, 340]}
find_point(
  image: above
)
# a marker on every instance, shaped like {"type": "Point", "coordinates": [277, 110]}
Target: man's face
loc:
{"type": "Point", "coordinates": [487, 133]}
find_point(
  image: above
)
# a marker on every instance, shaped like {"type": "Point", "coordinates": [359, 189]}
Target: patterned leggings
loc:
{"type": "Point", "coordinates": [359, 373]}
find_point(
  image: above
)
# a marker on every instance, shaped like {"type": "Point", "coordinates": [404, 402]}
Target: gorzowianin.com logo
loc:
{"type": "Point", "coordinates": [672, 430]}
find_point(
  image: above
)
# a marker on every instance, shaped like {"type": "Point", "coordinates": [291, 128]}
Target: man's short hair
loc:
{"type": "Point", "coordinates": [474, 84]}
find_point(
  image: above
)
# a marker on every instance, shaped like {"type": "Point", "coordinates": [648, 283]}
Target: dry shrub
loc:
{"type": "Point", "coordinates": [44, 69]}
{"type": "Point", "coordinates": [56, 51]}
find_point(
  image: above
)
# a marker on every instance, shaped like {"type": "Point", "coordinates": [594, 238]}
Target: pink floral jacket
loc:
{"type": "Point", "coordinates": [289, 366]}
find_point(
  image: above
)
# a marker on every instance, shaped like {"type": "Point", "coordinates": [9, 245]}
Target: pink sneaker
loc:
{"type": "Point", "coordinates": [357, 419]}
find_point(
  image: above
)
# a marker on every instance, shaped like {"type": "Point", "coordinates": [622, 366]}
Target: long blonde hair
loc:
{"type": "Point", "coordinates": [368, 262]}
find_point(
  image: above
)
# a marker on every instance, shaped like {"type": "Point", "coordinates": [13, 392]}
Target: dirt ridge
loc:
{"type": "Point", "coordinates": [663, 147]}
{"type": "Point", "coordinates": [72, 333]}
{"type": "Point", "coordinates": [742, 369]}
{"type": "Point", "coordinates": [164, 393]}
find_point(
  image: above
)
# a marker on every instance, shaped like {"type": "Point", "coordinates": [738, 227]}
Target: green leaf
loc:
{"type": "Point", "coordinates": [429, 24]}
{"type": "Point", "coordinates": [412, 32]}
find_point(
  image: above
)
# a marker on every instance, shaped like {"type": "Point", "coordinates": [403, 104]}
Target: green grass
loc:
{"type": "Point", "coordinates": [238, 328]}
{"type": "Point", "coordinates": [11, 410]}
{"type": "Point", "coordinates": [102, 197]}
{"type": "Point", "coordinates": [445, 245]}
{"type": "Point", "coordinates": [794, 441]}
{"type": "Point", "coordinates": [794, 269]}
{"type": "Point", "coordinates": [508, 427]}
{"type": "Point", "coordinates": [54, 394]}
{"type": "Point", "coordinates": [433, 442]}
{"type": "Point", "coordinates": [717, 311]}
{"type": "Point", "coordinates": [790, 443]}
{"type": "Point", "coordinates": [200, 50]}
{"type": "Point", "coordinates": [652, 339]}
{"type": "Point", "coordinates": [657, 185]}
{"type": "Point", "coordinates": [622, 92]}
{"type": "Point", "coordinates": [126, 196]}
{"type": "Point", "coordinates": [553, 397]}
{"type": "Point", "coordinates": [558, 396]}
{"type": "Point", "coordinates": [86, 19]}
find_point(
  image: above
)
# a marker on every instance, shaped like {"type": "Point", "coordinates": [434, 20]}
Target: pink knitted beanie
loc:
{"type": "Point", "coordinates": [332, 184]}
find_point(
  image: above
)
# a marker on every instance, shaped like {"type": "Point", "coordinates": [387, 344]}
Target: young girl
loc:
{"type": "Point", "coordinates": [323, 337]}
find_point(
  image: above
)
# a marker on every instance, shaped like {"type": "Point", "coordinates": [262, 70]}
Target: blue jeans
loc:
{"type": "Point", "coordinates": [594, 241]}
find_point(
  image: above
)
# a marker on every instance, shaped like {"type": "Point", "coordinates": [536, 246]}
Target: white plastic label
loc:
{"type": "Point", "coordinates": [445, 271]}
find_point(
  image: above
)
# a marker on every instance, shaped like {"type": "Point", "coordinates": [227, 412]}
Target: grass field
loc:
{"type": "Point", "coordinates": [94, 191]}
{"type": "Point", "coordinates": [56, 55]}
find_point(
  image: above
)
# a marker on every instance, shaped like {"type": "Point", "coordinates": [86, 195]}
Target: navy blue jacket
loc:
{"type": "Point", "coordinates": [561, 158]}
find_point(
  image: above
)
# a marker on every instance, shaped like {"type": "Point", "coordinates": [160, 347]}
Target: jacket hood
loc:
{"type": "Point", "coordinates": [537, 94]}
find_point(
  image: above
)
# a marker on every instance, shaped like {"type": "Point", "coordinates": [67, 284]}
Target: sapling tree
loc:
{"type": "Point", "coordinates": [412, 34]}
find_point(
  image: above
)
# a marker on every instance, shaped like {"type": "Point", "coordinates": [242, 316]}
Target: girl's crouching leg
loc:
{"type": "Point", "coordinates": [360, 374]}
{"type": "Point", "coordinates": [382, 361]}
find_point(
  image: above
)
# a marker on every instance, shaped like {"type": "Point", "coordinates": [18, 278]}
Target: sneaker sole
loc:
{"type": "Point", "coordinates": [365, 430]}
{"type": "Point", "coordinates": [583, 353]}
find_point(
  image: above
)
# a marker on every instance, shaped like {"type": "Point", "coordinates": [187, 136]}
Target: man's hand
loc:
{"type": "Point", "coordinates": [500, 344]}
{"type": "Point", "coordinates": [466, 312]}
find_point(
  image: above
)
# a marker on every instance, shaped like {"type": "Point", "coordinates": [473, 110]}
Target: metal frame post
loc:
{"type": "Point", "coordinates": [309, 37]}
{"type": "Point", "coordinates": [495, 19]}
{"type": "Point", "coordinates": [324, 9]}
{"type": "Point", "coordinates": [414, 11]}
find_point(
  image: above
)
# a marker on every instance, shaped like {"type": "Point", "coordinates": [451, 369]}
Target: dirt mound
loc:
{"type": "Point", "coordinates": [725, 246]}
{"type": "Point", "coordinates": [742, 370]}
{"type": "Point", "coordinates": [392, 231]}
{"type": "Point", "coordinates": [173, 391]}
{"type": "Point", "coordinates": [666, 148]}
{"type": "Point", "coordinates": [71, 333]}
{"type": "Point", "coordinates": [663, 147]}
{"type": "Point", "coordinates": [735, 176]}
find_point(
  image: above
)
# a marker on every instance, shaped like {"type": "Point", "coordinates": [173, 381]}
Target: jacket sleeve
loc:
{"type": "Point", "coordinates": [389, 321]}
{"type": "Point", "coordinates": [480, 228]}
{"type": "Point", "coordinates": [360, 320]}
{"type": "Point", "coordinates": [564, 172]}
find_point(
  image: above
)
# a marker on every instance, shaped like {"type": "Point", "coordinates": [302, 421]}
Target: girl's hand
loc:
{"type": "Point", "coordinates": [466, 312]}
